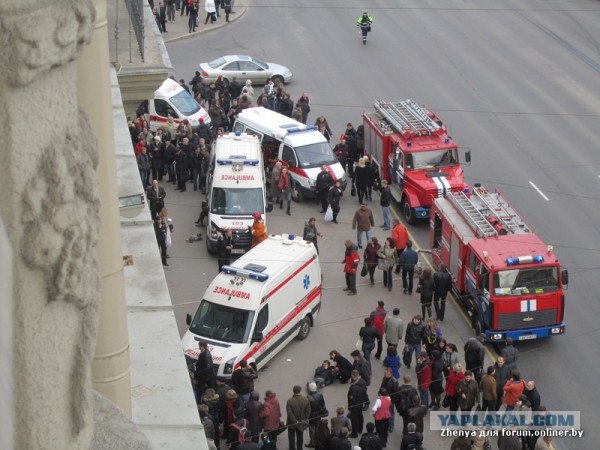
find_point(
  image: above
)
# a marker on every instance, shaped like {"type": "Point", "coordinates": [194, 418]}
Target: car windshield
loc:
{"type": "Point", "coordinates": [222, 323]}
{"type": "Point", "coordinates": [536, 280]}
{"type": "Point", "coordinates": [315, 155]}
{"type": "Point", "coordinates": [234, 201]}
{"type": "Point", "coordinates": [262, 64]}
{"type": "Point", "coordinates": [185, 103]}
{"type": "Point", "coordinates": [215, 64]}
{"type": "Point", "coordinates": [434, 158]}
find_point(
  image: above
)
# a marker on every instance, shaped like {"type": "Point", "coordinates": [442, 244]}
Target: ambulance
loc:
{"type": "Point", "coordinates": [301, 148]}
{"type": "Point", "coordinates": [171, 99]}
{"type": "Point", "coordinates": [236, 190]}
{"type": "Point", "coordinates": [258, 304]}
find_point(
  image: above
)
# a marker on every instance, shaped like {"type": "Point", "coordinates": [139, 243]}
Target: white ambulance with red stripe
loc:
{"type": "Point", "coordinates": [258, 304]}
{"type": "Point", "coordinates": [170, 99]}
{"type": "Point", "coordinates": [301, 148]}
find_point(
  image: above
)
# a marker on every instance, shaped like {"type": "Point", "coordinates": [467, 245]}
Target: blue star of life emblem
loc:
{"type": "Point", "coordinates": [306, 281]}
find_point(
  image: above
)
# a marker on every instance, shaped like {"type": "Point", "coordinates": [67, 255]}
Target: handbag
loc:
{"type": "Point", "coordinates": [364, 270]}
{"type": "Point", "coordinates": [446, 401]}
{"type": "Point", "coordinates": [281, 427]}
{"type": "Point", "coordinates": [329, 214]}
{"type": "Point", "coordinates": [406, 356]}
{"type": "Point", "coordinates": [383, 264]}
{"type": "Point", "coordinates": [359, 343]}
{"type": "Point", "coordinates": [353, 190]}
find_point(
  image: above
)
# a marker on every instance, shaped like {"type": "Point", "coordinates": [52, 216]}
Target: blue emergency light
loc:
{"type": "Point", "coordinates": [299, 129]}
{"type": "Point", "coordinates": [529, 259]}
{"type": "Point", "coordinates": [229, 270]}
{"type": "Point", "coordinates": [240, 160]}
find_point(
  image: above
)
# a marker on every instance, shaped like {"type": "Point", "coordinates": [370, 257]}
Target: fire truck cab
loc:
{"type": "Point", "coordinates": [415, 155]}
{"type": "Point", "coordinates": [510, 283]}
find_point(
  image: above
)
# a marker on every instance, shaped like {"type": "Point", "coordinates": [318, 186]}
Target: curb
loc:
{"type": "Point", "coordinates": [239, 12]}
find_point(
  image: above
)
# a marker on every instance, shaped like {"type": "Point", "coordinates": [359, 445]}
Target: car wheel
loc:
{"type": "Point", "coordinates": [477, 327]}
{"type": "Point", "coordinates": [277, 78]}
{"type": "Point", "coordinates": [408, 212]}
{"type": "Point", "coordinates": [304, 329]}
{"type": "Point", "coordinates": [297, 193]}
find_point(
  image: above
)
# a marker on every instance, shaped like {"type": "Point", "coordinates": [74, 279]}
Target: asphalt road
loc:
{"type": "Point", "coordinates": [516, 82]}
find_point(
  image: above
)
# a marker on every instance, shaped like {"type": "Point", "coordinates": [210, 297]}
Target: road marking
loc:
{"type": "Point", "coordinates": [458, 307]}
{"type": "Point", "coordinates": [539, 192]}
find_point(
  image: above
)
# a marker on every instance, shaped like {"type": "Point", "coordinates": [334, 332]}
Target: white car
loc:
{"type": "Point", "coordinates": [243, 68]}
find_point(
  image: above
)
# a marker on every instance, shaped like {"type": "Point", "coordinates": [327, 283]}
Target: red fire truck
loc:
{"type": "Point", "coordinates": [509, 281]}
{"type": "Point", "coordinates": [415, 155]}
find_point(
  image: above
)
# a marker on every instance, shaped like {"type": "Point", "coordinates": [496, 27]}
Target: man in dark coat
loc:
{"type": "Point", "coordinates": [412, 440]}
{"type": "Point", "coordinates": [510, 354]}
{"type": "Point", "coordinates": [407, 260]}
{"type": "Point", "coordinates": [333, 198]}
{"type": "Point", "coordinates": [156, 198]}
{"type": "Point", "coordinates": [181, 168]}
{"type": "Point", "coordinates": [533, 396]}
{"type": "Point", "coordinates": [370, 440]}
{"type": "Point", "coordinates": [362, 365]}
{"type": "Point", "coordinates": [317, 410]}
{"type": "Point", "coordinates": [502, 375]}
{"type": "Point", "coordinates": [404, 398]}
{"type": "Point", "coordinates": [298, 414]}
{"type": "Point", "coordinates": [442, 283]}
{"type": "Point", "coordinates": [475, 355]}
{"type": "Point", "coordinates": [204, 371]}
{"type": "Point", "coordinates": [323, 184]}
{"type": "Point", "coordinates": [416, 414]}
{"type": "Point", "coordinates": [224, 246]}
{"type": "Point", "coordinates": [357, 399]}
{"type": "Point", "coordinates": [242, 380]}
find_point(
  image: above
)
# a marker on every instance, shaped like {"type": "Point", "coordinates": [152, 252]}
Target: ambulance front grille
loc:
{"type": "Point", "coordinates": [242, 239]}
{"type": "Point", "coordinates": [531, 319]}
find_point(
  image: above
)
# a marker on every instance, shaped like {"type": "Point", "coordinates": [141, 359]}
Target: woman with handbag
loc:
{"type": "Point", "coordinates": [371, 257]}
{"type": "Point", "coordinates": [387, 259]}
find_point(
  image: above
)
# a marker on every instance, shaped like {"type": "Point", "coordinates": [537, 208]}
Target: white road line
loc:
{"type": "Point", "coordinates": [539, 192]}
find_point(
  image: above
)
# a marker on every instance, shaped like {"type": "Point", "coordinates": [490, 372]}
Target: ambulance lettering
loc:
{"type": "Point", "coordinates": [228, 177]}
{"type": "Point", "coordinates": [231, 292]}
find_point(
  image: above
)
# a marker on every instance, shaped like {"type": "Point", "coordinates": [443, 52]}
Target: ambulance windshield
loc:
{"type": "Point", "coordinates": [315, 155]}
{"type": "Point", "coordinates": [517, 281]}
{"type": "Point", "coordinates": [433, 159]}
{"type": "Point", "coordinates": [235, 201]}
{"type": "Point", "coordinates": [222, 323]}
{"type": "Point", "coordinates": [185, 103]}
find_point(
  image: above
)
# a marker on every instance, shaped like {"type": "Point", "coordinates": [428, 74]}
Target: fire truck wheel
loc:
{"type": "Point", "coordinates": [304, 329]}
{"type": "Point", "coordinates": [297, 193]}
{"type": "Point", "coordinates": [408, 212]}
{"type": "Point", "coordinates": [477, 327]}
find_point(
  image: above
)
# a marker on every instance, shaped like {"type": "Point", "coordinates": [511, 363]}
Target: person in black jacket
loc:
{"type": "Point", "coordinates": [317, 411]}
{"type": "Point", "coordinates": [357, 399]}
{"type": "Point", "coordinates": [333, 199]}
{"type": "Point", "coordinates": [442, 283]}
{"type": "Point", "coordinates": [181, 168]}
{"type": "Point", "coordinates": [475, 355]}
{"type": "Point", "coordinates": [322, 186]}
{"type": "Point", "coordinates": [343, 367]}
{"type": "Point", "coordinates": [385, 201]}
{"type": "Point", "coordinates": [370, 440]}
{"type": "Point", "coordinates": [415, 333]}
{"type": "Point", "coordinates": [369, 335]}
{"type": "Point", "coordinates": [407, 260]}
{"type": "Point", "coordinates": [203, 371]}
{"type": "Point", "coordinates": [224, 246]}
{"type": "Point", "coordinates": [374, 179]}
{"type": "Point", "coordinates": [362, 365]}
{"type": "Point", "coordinates": [361, 179]}
{"type": "Point", "coordinates": [426, 288]}
{"type": "Point", "coordinates": [161, 237]}
{"type": "Point", "coordinates": [411, 440]}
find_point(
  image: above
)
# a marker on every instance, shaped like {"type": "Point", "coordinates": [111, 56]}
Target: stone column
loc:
{"type": "Point", "coordinates": [111, 361]}
{"type": "Point", "coordinates": [49, 206]}
{"type": "Point", "coordinates": [6, 343]}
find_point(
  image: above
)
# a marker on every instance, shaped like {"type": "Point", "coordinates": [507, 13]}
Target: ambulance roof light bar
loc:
{"type": "Point", "coordinates": [239, 160]}
{"type": "Point", "coordinates": [229, 270]}
{"type": "Point", "coordinates": [300, 129]}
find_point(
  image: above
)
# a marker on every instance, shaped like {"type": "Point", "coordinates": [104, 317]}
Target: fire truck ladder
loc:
{"type": "Point", "coordinates": [500, 209]}
{"type": "Point", "coordinates": [472, 214]}
{"type": "Point", "coordinates": [406, 115]}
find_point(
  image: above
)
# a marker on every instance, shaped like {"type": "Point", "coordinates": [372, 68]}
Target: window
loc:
{"type": "Point", "coordinates": [222, 323]}
{"type": "Point", "coordinates": [185, 103]}
{"type": "Point", "coordinates": [289, 157]}
{"type": "Point", "coordinates": [315, 155]}
{"type": "Point", "coordinates": [270, 148]}
{"type": "Point", "coordinates": [262, 319]}
{"type": "Point", "coordinates": [248, 66]}
{"type": "Point", "coordinates": [217, 63]}
{"type": "Point", "coordinates": [473, 263]}
{"type": "Point", "coordinates": [536, 280]}
{"type": "Point", "coordinates": [437, 232]}
{"type": "Point", "coordinates": [398, 158]}
{"type": "Point", "coordinates": [435, 158]}
{"type": "Point", "coordinates": [162, 108]}
{"type": "Point", "coordinates": [231, 66]}
{"type": "Point", "coordinates": [234, 201]}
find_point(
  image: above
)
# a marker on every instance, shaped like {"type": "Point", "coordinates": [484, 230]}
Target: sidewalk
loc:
{"type": "Point", "coordinates": [179, 30]}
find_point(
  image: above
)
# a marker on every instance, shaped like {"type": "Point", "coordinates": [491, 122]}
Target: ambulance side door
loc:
{"type": "Point", "coordinates": [258, 335]}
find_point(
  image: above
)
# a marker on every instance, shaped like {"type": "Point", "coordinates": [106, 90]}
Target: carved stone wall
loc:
{"type": "Point", "coordinates": [49, 205]}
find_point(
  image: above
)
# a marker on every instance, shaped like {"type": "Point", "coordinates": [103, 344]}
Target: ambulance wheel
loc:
{"type": "Point", "coordinates": [408, 212]}
{"type": "Point", "coordinates": [304, 329]}
{"type": "Point", "coordinates": [297, 193]}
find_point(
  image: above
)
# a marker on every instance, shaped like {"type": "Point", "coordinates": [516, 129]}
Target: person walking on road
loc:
{"type": "Point", "coordinates": [285, 187]}
{"type": "Point", "coordinates": [400, 236]}
{"type": "Point", "coordinates": [322, 186]}
{"type": "Point", "coordinates": [475, 355]}
{"type": "Point", "coordinates": [381, 414]}
{"type": "Point", "coordinates": [387, 259]}
{"type": "Point", "coordinates": [442, 283]}
{"type": "Point", "coordinates": [385, 200]}
{"type": "Point", "coordinates": [426, 291]}
{"type": "Point", "coordinates": [298, 414]}
{"type": "Point", "coordinates": [415, 333]}
{"type": "Point", "coordinates": [333, 199]}
{"type": "Point", "coordinates": [357, 399]}
{"type": "Point", "coordinates": [378, 318]}
{"type": "Point", "coordinates": [350, 262]}
{"type": "Point", "coordinates": [368, 334]}
{"type": "Point", "coordinates": [211, 11]}
{"type": "Point", "coordinates": [362, 223]}
{"type": "Point", "coordinates": [408, 259]}
{"type": "Point", "coordinates": [371, 258]}
{"type": "Point", "coordinates": [393, 327]}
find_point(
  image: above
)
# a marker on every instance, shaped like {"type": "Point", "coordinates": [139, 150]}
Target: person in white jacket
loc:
{"type": "Point", "coordinates": [211, 11]}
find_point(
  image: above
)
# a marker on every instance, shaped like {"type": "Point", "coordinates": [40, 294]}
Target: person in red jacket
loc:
{"type": "Point", "coordinates": [270, 414]}
{"type": "Point", "coordinates": [423, 370]}
{"type": "Point", "coordinates": [350, 262]}
{"type": "Point", "coordinates": [455, 375]}
{"type": "Point", "coordinates": [377, 320]}
{"type": "Point", "coordinates": [381, 414]}
{"type": "Point", "coordinates": [400, 236]}
{"type": "Point", "coordinates": [512, 389]}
